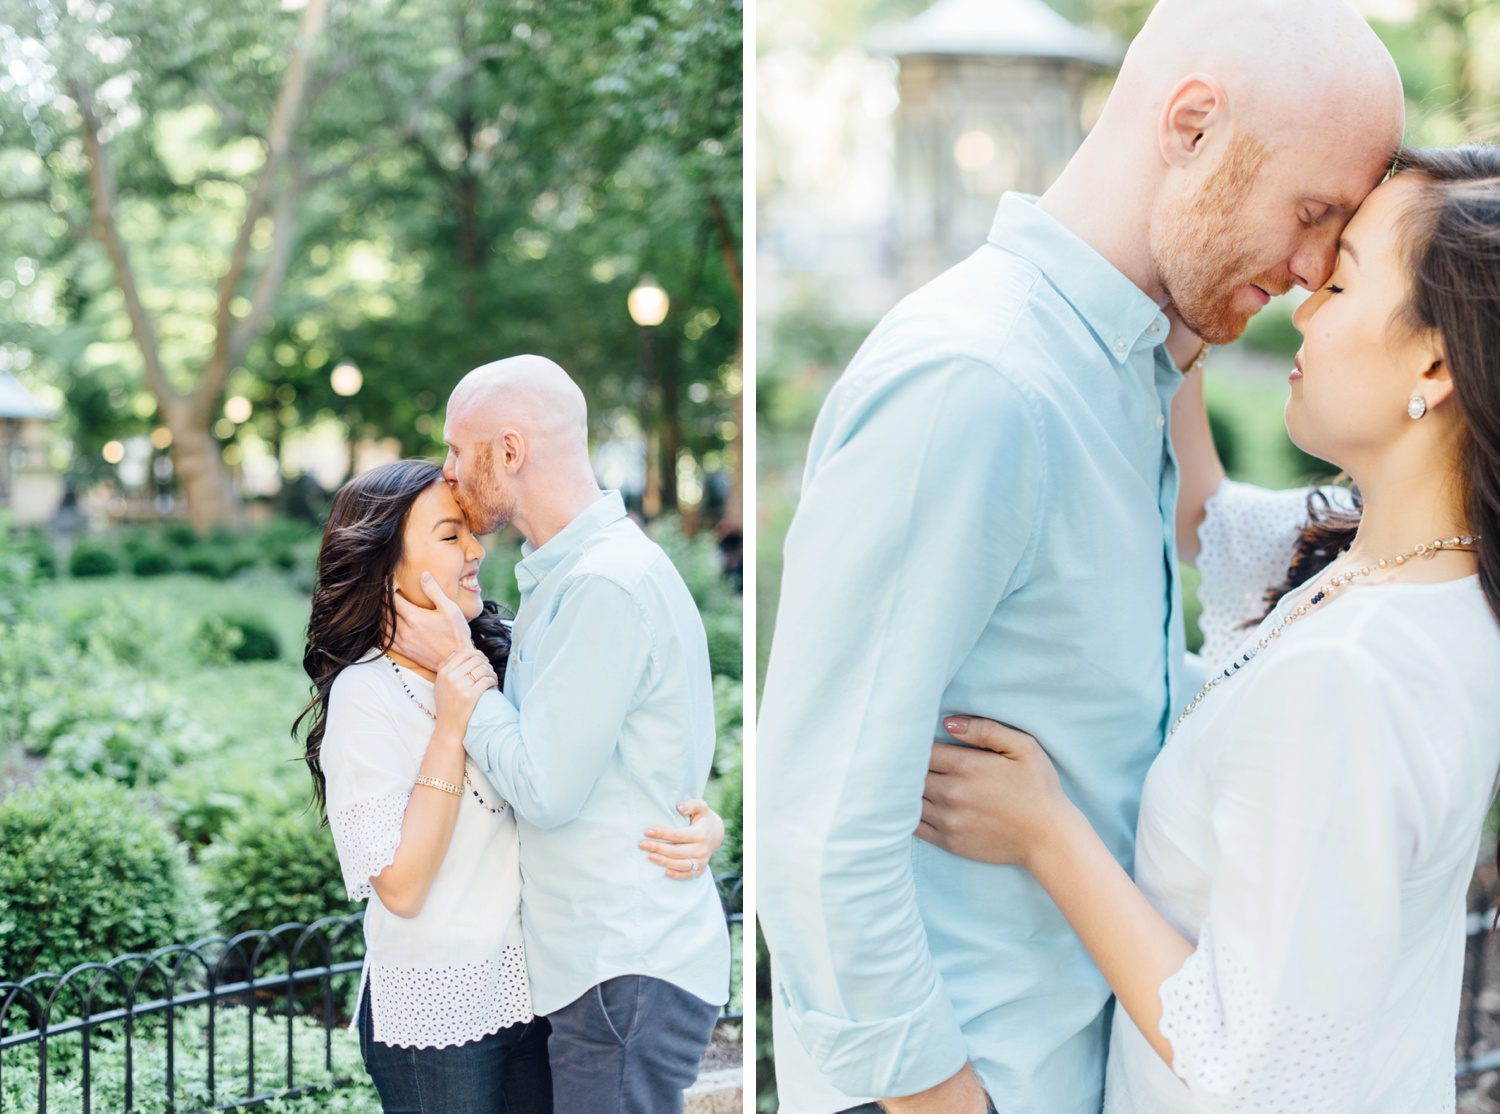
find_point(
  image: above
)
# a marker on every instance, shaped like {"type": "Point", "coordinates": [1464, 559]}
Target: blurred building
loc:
{"type": "Point", "coordinates": [881, 164]}
{"type": "Point", "coordinates": [994, 95]}
{"type": "Point", "coordinates": [29, 488]}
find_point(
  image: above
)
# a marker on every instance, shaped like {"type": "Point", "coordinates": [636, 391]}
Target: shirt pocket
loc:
{"type": "Point", "coordinates": [518, 675]}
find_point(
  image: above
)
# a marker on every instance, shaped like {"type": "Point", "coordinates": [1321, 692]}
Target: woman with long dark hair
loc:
{"type": "Point", "coordinates": [445, 1017]}
{"type": "Point", "coordinates": [1294, 936]}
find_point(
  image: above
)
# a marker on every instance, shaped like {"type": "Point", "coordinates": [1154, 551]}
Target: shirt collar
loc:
{"type": "Point", "coordinates": [1116, 309]}
{"type": "Point", "coordinates": [537, 561]}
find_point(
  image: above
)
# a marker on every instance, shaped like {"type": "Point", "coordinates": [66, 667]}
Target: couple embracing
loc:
{"type": "Point", "coordinates": [1141, 880]}
{"type": "Point", "coordinates": [517, 802]}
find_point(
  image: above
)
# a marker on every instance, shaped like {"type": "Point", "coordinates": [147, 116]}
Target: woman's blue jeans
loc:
{"type": "Point", "coordinates": [504, 1073]}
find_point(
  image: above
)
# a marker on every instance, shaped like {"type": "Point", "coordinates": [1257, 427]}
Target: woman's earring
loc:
{"type": "Point", "coordinates": [1416, 407]}
{"type": "Point", "coordinates": [393, 587]}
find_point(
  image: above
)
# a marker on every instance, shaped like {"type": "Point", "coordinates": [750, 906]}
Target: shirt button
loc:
{"type": "Point", "coordinates": [1154, 329]}
{"type": "Point", "coordinates": [1161, 421]}
{"type": "Point", "coordinates": [1120, 345]}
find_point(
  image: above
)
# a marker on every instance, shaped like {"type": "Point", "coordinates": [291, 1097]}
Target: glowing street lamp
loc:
{"type": "Point", "coordinates": [346, 380]}
{"type": "Point", "coordinates": [648, 304]}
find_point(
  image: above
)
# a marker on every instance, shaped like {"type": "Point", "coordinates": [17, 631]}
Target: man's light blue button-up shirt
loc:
{"type": "Point", "coordinates": [606, 723]}
{"type": "Point", "coordinates": [986, 526]}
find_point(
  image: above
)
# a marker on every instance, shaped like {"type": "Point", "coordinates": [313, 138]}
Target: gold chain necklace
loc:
{"type": "Point", "coordinates": [433, 716]}
{"type": "Point", "coordinates": [1427, 551]}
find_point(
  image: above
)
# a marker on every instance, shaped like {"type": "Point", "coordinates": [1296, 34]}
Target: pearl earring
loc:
{"type": "Point", "coordinates": [1416, 407]}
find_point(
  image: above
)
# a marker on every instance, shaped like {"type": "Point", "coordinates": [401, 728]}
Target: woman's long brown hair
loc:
{"type": "Point", "coordinates": [352, 608]}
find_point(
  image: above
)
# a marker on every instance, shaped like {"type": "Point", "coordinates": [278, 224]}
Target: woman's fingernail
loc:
{"type": "Point", "coordinates": [956, 725]}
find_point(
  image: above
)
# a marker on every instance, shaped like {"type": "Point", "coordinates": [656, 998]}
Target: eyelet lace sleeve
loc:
{"type": "Point", "coordinates": [367, 834]}
{"type": "Point", "coordinates": [369, 770]}
{"type": "Point", "coordinates": [1246, 543]}
{"type": "Point", "coordinates": [1231, 1041]}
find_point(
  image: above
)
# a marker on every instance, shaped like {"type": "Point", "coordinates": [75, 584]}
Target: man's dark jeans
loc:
{"type": "Point", "coordinates": [504, 1073]}
{"type": "Point", "coordinates": [630, 1045]}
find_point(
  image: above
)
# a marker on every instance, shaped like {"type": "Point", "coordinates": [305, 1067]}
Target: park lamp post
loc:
{"type": "Point", "coordinates": [648, 304]}
{"type": "Point", "coordinates": [346, 381]}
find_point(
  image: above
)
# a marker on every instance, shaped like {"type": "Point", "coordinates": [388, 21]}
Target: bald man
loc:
{"type": "Point", "coordinates": [605, 723]}
{"type": "Point", "coordinates": [987, 527]}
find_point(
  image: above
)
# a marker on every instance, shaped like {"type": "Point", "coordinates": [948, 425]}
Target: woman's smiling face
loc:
{"type": "Point", "coordinates": [437, 540]}
{"type": "Point", "coordinates": [1359, 363]}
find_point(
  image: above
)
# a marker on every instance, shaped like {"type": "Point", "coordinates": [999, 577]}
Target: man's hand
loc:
{"type": "Point", "coordinates": [962, 1094]}
{"type": "Point", "coordinates": [430, 636]}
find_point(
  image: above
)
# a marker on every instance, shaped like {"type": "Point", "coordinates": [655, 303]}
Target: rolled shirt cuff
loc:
{"type": "Point", "coordinates": [890, 1057]}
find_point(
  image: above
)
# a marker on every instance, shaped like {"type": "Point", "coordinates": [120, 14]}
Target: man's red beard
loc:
{"type": "Point", "coordinates": [1203, 260]}
{"type": "Point", "coordinates": [485, 504]}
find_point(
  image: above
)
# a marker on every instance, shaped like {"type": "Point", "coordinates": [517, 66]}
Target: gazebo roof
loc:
{"type": "Point", "coordinates": [998, 28]}
{"type": "Point", "coordinates": [16, 400]}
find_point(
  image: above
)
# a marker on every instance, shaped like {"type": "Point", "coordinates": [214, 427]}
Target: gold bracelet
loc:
{"type": "Point", "coordinates": [445, 786]}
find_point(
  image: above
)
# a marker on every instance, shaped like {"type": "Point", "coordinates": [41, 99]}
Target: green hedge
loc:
{"type": "Point", "coordinates": [87, 875]}
{"type": "Point", "coordinates": [272, 865]}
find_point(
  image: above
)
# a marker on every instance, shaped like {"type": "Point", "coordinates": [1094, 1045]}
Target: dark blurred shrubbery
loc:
{"type": "Point", "coordinates": [92, 557]}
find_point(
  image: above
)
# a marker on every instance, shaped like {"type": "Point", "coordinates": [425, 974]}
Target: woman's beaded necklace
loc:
{"type": "Point", "coordinates": [433, 716]}
{"type": "Point", "coordinates": [1430, 550]}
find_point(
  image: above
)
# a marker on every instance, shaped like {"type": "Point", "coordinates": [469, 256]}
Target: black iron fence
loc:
{"type": "Point", "coordinates": [213, 1025]}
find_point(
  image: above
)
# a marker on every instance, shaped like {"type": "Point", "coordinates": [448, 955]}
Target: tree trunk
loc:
{"type": "Point", "coordinates": [200, 469]}
{"type": "Point", "coordinates": [671, 434]}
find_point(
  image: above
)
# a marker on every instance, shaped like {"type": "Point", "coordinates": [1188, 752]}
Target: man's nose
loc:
{"type": "Point", "coordinates": [450, 469]}
{"type": "Point", "coordinates": [1313, 266]}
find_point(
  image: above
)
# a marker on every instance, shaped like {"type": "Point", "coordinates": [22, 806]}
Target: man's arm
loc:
{"type": "Point", "coordinates": [914, 524]}
{"type": "Point", "coordinates": [546, 757]}
{"type": "Point", "coordinates": [1198, 461]}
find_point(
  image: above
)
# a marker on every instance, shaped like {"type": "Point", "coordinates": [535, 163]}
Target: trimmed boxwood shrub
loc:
{"type": "Point", "coordinates": [151, 560]}
{"type": "Point", "coordinates": [224, 638]}
{"type": "Point", "coordinates": [274, 865]}
{"type": "Point", "coordinates": [92, 558]}
{"type": "Point", "coordinates": [87, 875]}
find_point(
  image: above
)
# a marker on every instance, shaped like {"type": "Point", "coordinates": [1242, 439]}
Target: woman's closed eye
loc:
{"type": "Point", "coordinates": [1334, 289]}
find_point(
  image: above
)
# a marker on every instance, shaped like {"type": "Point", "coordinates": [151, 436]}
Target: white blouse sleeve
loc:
{"type": "Point", "coordinates": [369, 772]}
{"type": "Point", "coordinates": [1316, 827]}
{"type": "Point", "coordinates": [1246, 541]}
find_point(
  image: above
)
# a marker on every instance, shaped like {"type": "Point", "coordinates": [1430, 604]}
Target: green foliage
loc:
{"type": "Point", "coordinates": [1271, 330]}
{"type": "Point", "coordinates": [274, 865]}
{"type": "Point", "coordinates": [88, 874]}
{"type": "Point", "coordinates": [151, 560]}
{"type": "Point", "coordinates": [349, 1088]}
{"type": "Point", "coordinates": [37, 545]}
{"type": "Point", "coordinates": [698, 562]}
{"type": "Point", "coordinates": [1226, 439]}
{"type": "Point", "coordinates": [726, 791]}
{"type": "Point", "coordinates": [92, 558]}
{"type": "Point", "coordinates": [18, 572]}
{"type": "Point", "coordinates": [225, 638]}
{"type": "Point", "coordinates": [85, 713]}
{"type": "Point", "coordinates": [287, 543]}
{"type": "Point", "coordinates": [219, 558]}
{"type": "Point", "coordinates": [726, 643]}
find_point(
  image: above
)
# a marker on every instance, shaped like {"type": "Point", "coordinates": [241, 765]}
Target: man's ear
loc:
{"type": "Point", "coordinates": [512, 452]}
{"type": "Point", "coordinates": [1196, 108]}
